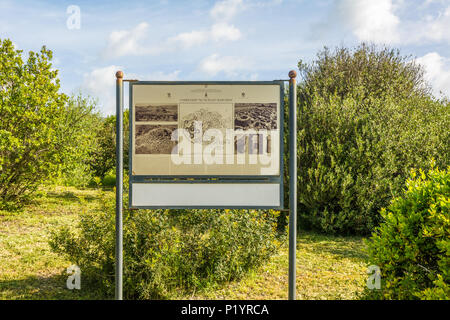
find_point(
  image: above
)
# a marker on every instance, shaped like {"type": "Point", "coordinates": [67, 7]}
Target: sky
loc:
{"type": "Point", "coordinates": [218, 40]}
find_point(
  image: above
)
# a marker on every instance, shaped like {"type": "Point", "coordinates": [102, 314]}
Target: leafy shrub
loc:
{"type": "Point", "coordinates": [31, 111]}
{"type": "Point", "coordinates": [167, 251]}
{"type": "Point", "coordinates": [412, 245]}
{"type": "Point", "coordinates": [44, 134]}
{"type": "Point", "coordinates": [365, 120]}
{"type": "Point", "coordinates": [84, 120]}
{"type": "Point", "coordinates": [109, 180]}
{"type": "Point", "coordinates": [102, 158]}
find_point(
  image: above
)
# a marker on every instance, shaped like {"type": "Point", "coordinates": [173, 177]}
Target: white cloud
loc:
{"type": "Point", "coordinates": [437, 72]}
{"type": "Point", "coordinates": [254, 77]}
{"type": "Point", "coordinates": [215, 63]}
{"type": "Point", "coordinates": [268, 3]}
{"type": "Point", "coordinates": [382, 21]}
{"type": "Point", "coordinates": [428, 2]}
{"type": "Point", "coordinates": [129, 42]}
{"type": "Point", "coordinates": [226, 10]}
{"type": "Point", "coordinates": [190, 39]}
{"type": "Point", "coordinates": [218, 32]}
{"type": "Point", "coordinates": [434, 28]}
{"type": "Point", "coordinates": [370, 20]}
{"type": "Point", "coordinates": [100, 83]}
{"type": "Point", "coordinates": [222, 12]}
{"type": "Point", "coordinates": [223, 31]}
{"type": "Point", "coordinates": [161, 76]}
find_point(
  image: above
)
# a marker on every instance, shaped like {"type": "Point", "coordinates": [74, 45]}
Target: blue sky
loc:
{"type": "Point", "coordinates": [218, 40]}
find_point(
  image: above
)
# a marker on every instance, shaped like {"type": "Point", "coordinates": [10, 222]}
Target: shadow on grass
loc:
{"type": "Point", "coordinates": [45, 288]}
{"type": "Point", "coordinates": [348, 247]}
{"type": "Point", "coordinates": [69, 196]}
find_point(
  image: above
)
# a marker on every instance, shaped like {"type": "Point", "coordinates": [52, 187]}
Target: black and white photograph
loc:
{"type": "Point", "coordinates": [154, 112]}
{"type": "Point", "coordinates": [154, 139]}
{"type": "Point", "coordinates": [255, 116]}
{"type": "Point", "coordinates": [253, 144]}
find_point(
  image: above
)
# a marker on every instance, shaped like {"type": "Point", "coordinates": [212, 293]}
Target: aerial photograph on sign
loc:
{"type": "Point", "coordinates": [154, 139]}
{"type": "Point", "coordinates": [255, 116]}
{"type": "Point", "coordinates": [157, 112]}
{"type": "Point", "coordinates": [258, 143]}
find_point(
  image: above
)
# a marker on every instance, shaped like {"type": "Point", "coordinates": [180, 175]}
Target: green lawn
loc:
{"type": "Point", "coordinates": [327, 267]}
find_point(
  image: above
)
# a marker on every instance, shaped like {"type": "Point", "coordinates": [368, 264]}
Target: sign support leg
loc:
{"type": "Point", "coordinates": [119, 184]}
{"type": "Point", "coordinates": [292, 183]}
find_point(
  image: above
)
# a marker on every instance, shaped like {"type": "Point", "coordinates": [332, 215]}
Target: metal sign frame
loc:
{"type": "Point", "coordinates": [292, 173]}
{"type": "Point", "coordinates": [273, 179]}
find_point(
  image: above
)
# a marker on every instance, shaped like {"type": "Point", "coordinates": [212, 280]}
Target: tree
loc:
{"type": "Point", "coordinates": [102, 159]}
{"type": "Point", "coordinates": [366, 117]}
{"type": "Point", "coordinates": [36, 129]}
{"type": "Point", "coordinates": [367, 70]}
{"type": "Point", "coordinates": [85, 120]}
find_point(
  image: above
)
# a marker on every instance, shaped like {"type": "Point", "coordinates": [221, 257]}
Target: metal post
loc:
{"type": "Point", "coordinates": [119, 183]}
{"type": "Point", "coordinates": [292, 182]}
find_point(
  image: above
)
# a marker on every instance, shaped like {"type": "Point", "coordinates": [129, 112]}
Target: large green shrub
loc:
{"type": "Point", "coordinates": [412, 245]}
{"type": "Point", "coordinates": [102, 159]}
{"type": "Point", "coordinates": [365, 119]}
{"type": "Point", "coordinates": [83, 120]}
{"type": "Point", "coordinates": [167, 251]}
{"type": "Point", "coordinates": [44, 134]}
{"type": "Point", "coordinates": [31, 112]}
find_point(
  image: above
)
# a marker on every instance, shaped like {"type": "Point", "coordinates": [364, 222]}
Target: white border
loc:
{"type": "Point", "coordinates": [205, 194]}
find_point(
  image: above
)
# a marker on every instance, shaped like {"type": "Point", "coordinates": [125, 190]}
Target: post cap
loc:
{"type": "Point", "coordinates": [119, 75]}
{"type": "Point", "coordinates": [292, 74]}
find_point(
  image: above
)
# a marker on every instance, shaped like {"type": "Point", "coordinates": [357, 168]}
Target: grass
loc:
{"type": "Point", "coordinates": [28, 268]}
{"type": "Point", "coordinates": [327, 267]}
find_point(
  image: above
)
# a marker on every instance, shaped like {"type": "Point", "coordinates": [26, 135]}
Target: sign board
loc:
{"type": "Point", "coordinates": [206, 144]}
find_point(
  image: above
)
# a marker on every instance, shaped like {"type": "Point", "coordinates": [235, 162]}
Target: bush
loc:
{"type": "Point", "coordinates": [109, 180]}
{"type": "Point", "coordinates": [167, 251]}
{"type": "Point", "coordinates": [412, 245]}
{"type": "Point", "coordinates": [102, 159]}
{"type": "Point", "coordinates": [44, 134]}
{"type": "Point", "coordinates": [74, 169]}
{"type": "Point", "coordinates": [365, 120]}
{"type": "Point", "coordinates": [32, 138]}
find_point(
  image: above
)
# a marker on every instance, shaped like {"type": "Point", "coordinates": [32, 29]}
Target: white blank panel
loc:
{"type": "Point", "coordinates": [205, 194]}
